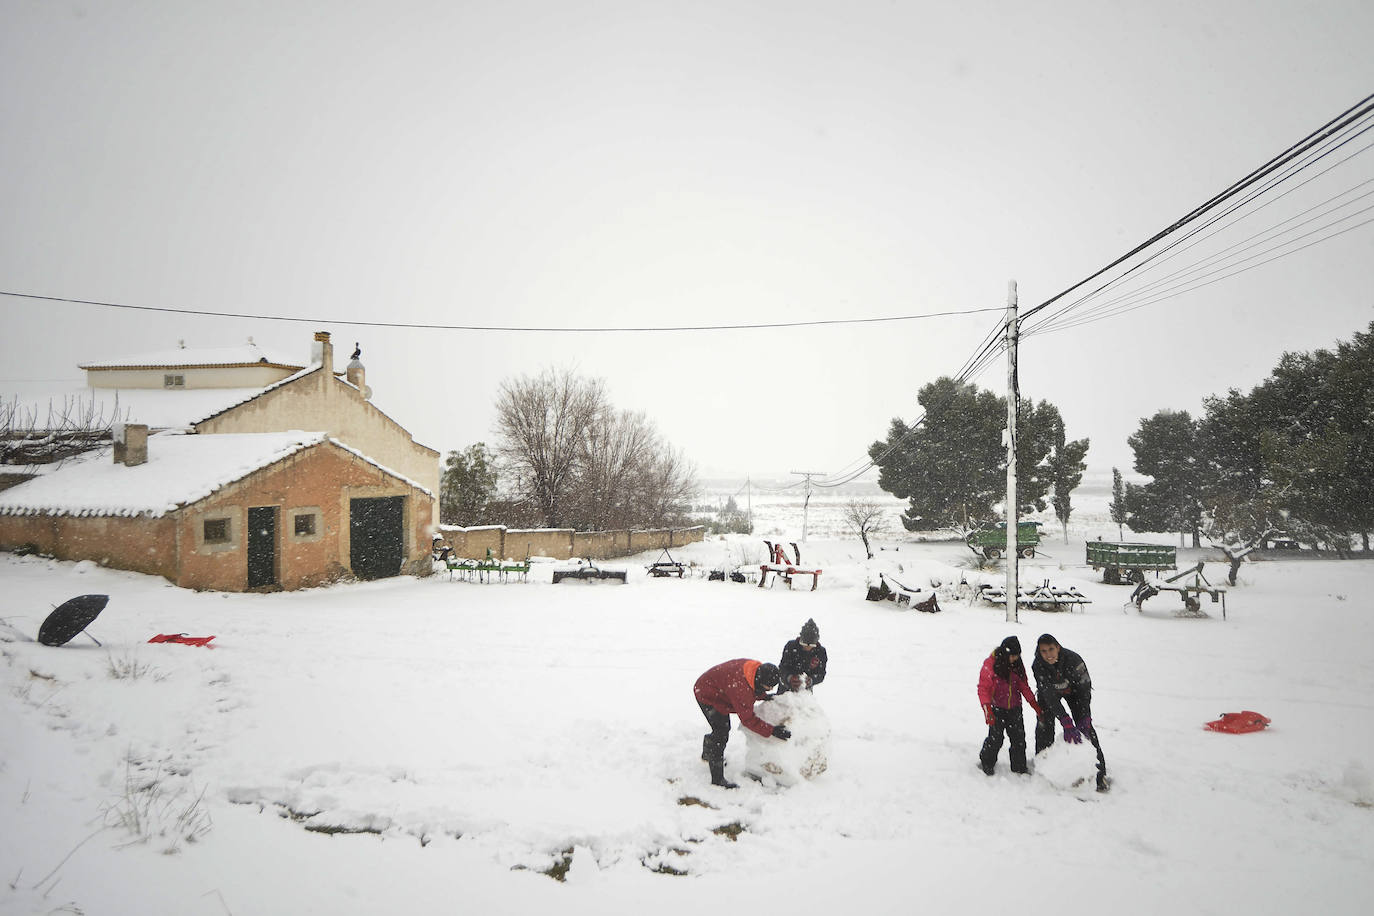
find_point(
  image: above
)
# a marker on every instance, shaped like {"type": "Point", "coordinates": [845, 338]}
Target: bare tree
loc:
{"type": "Point", "coordinates": [540, 422]}
{"type": "Point", "coordinates": [616, 446]}
{"type": "Point", "coordinates": [582, 463]}
{"type": "Point", "coordinates": [866, 519]}
{"type": "Point", "coordinates": [668, 486]}
{"type": "Point", "coordinates": [627, 476]}
{"type": "Point", "coordinates": [75, 426]}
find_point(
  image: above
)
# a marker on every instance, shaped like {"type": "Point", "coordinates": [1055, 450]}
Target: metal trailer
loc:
{"type": "Point", "coordinates": [991, 541]}
{"type": "Point", "coordinates": [1123, 563]}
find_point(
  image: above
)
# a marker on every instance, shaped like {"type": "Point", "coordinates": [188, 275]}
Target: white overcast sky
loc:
{"type": "Point", "coordinates": [641, 164]}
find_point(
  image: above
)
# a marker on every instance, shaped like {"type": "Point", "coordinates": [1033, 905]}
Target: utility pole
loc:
{"type": "Point", "coordinates": [749, 501]}
{"type": "Point", "coordinates": [1013, 548]}
{"type": "Point", "coordinates": [806, 506]}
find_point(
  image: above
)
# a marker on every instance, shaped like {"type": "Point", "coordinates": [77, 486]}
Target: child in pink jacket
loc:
{"type": "Point", "coordinates": [1001, 685]}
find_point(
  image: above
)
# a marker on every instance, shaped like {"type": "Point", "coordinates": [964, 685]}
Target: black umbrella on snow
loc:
{"type": "Point", "coordinates": [71, 617]}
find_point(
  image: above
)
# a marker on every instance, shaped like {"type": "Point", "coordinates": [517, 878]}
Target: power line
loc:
{"type": "Point", "coordinates": [1090, 318]}
{"type": "Point", "coordinates": [1357, 111]}
{"type": "Point", "coordinates": [1155, 260]}
{"type": "Point", "coordinates": [503, 328]}
{"type": "Point", "coordinates": [1304, 154]}
{"type": "Point", "coordinates": [1217, 262]}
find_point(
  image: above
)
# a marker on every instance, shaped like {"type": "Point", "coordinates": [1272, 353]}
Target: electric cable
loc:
{"type": "Point", "coordinates": [1290, 162]}
{"type": "Point", "coordinates": [1340, 122]}
{"type": "Point", "coordinates": [772, 325]}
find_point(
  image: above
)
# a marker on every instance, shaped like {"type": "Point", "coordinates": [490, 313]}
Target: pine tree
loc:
{"type": "Point", "coordinates": [1118, 505]}
{"type": "Point", "coordinates": [1065, 467]}
{"type": "Point", "coordinates": [467, 487]}
{"type": "Point", "coordinates": [1166, 450]}
{"type": "Point", "coordinates": [951, 466]}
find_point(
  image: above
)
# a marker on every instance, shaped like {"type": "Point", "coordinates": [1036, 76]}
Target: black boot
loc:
{"type": "Point", "coordinates": [718, 775]}
{"type": "Point", "coordinates": [706, 748]}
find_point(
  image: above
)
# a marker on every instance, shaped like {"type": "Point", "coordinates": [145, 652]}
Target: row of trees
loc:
{"type": "Point", "coordinates": [566, 458]}
{"type": "Point", "coordinates": [951, 466]}
{"type": "Point", "coordinates": [1295, 454]}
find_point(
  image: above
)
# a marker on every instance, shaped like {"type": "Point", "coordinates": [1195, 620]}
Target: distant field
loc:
{"type": "Point", "coordinates": [779, 505]}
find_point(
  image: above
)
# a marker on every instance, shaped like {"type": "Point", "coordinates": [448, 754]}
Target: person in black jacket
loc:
{"type": "Point", "coordinates": [1061, 679]}
{"type": "Point", "coordinates": [803, 660]}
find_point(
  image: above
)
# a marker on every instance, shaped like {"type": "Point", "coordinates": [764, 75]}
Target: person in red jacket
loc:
{"type": "Point", "coordinates": [733, 687]}
{"type": "Point", "coordinates": [1001, 685]}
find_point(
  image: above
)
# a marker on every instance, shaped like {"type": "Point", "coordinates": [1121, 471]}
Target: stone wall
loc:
{"type": "Point", "coordinates": [145, 545]}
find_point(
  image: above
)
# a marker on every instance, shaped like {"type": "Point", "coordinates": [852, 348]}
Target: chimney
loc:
{"type": "Point", "coordinates": [130, 444]}
{"type": "Point", "coordinates": [322, 351]}
{"type": "Point", "coordinates": [356, 374]}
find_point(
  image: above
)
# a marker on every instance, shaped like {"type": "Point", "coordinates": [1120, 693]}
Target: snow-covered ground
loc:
{"type": "Point", "coordinates": [479, 735]}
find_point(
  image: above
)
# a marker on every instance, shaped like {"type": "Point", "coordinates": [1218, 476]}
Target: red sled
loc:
{"type": "Point", "coordinates": [184, 639]}
{"type": "Point", "coordinates": [1239, 723]}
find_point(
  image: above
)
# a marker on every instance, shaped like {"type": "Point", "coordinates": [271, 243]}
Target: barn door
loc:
{"type": "Point", "coordinates": [376, 536]}
{"type": "Point", "coordinates": [262, 546]}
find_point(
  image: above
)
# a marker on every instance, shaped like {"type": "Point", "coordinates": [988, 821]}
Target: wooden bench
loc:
{"type": "Point", "coordinates": [786, 573]}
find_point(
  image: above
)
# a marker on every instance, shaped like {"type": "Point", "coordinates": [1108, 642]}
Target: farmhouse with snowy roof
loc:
{"type": "Point", "coordinates": [257, 474]}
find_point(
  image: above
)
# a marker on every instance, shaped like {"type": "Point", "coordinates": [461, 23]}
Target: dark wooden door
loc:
{"type": "Point", "coordinates": [376, 536]}
{"type": "Point", "coordinates": [262, 546]}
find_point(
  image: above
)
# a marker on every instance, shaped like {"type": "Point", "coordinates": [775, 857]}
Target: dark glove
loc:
{"type": "Point", "coordinates": [1071, 734]}
{"type": "Point", "coordinates": [781, 733]}
{"type": "Point", "coordinates": [987, 714]}
{"type": "Point", "coordinates": [1085, 726]}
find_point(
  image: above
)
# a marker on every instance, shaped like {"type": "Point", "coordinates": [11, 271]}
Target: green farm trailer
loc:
{"type": "Point", "coordinates": [1125, 563]}
{"type": "Point", "coordinates": [991, 541]}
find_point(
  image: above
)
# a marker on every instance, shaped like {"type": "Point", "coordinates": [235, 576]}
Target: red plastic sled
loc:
{"type": "Point", "coordinates": [184, 639]}
{"type": "Point", "coordinates": [1239, 723]}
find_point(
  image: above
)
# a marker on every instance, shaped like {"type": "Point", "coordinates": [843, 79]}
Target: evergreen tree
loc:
{"type": "Point", "coordinates": [1296, 452]}
{"type": "Point", "coordinates": [1118, 504]}
{"type": "Point", "coordinates": [1165, 449]}
{"type": "Point", "coordinates": [1064, 466]}
{"type": "Point", "coordinates": [951, 466]}
{"type": "Point", "coordinates": [1299, 446]}
{"type": "Point", "coordinates": [1320, 406]}
{"type": "Point", "coordinates": [468, 486]}
{"type": "Point", "coordinates": [1239, 507]}
{"type": "Point", "coordinates": [1039, 428]}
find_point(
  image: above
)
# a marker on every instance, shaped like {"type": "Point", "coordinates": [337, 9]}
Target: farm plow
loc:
{"type": "Point", "coordinates": [1189, 585]}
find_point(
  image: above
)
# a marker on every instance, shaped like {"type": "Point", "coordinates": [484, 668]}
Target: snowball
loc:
{"type": "Point", "coordinates": [803, 756]}
{"type": "Point", "coordinates": [1357, 784]}
{"type": "Point", "coordinates": [1070, 767]}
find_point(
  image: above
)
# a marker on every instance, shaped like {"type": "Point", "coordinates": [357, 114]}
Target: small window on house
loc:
{"type": "Point", "coordinates": [306, 523]}
{"type": "Point", "coordinates": [217, 531]}
{"type": "Point", "coordinates": [173, 381]}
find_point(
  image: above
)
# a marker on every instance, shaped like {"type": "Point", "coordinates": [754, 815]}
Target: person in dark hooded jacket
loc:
{"type": "Point", "coordinates": [1002, 683]}
{"type": "Point", "coordinates": [803, 660]}
{"type": "Point", "coordinates": [1062, 680]}
{"type": "Point", "coordinates": [733, 687]}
